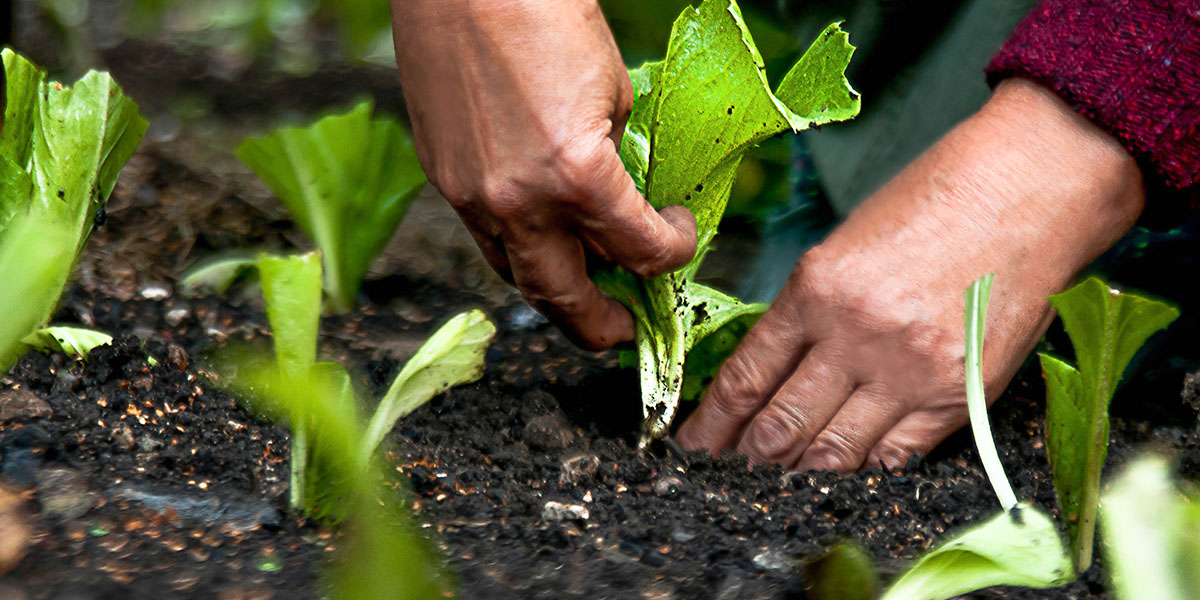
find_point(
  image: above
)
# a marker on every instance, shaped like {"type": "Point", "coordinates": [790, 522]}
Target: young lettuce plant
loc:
{"type": "Point", "coordinates": [696, 113]}
{"type": "Point", "coordinates": [380, 555]}
{"type": "Point", "coordinates": [347, 181]}
{"type": "Point", "coordinates": [1106, 328]}
{"type": "Point", "coordinates": [61, 149]}
{"type": "Point", "coordinates": [454, 355]}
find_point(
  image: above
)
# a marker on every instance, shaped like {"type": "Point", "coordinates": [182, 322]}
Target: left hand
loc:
{"type": "Point", "coordinates": [860, 360]}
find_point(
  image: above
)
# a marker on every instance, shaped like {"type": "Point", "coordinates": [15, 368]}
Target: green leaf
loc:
{"type": "Point", "coordinates": [454, 355]}
{"type": "Point", "coordinates": [292, 290]}
{"type": "Point", "coordinates": [22, 80]}
{"type": "Point", "coordinates": [60, 151]}
{"type": "Point", "coordinates": [1019, 548]}
{"type": "Point", "coordinates": [1148, 530]}
{"type": "Point", "coordinates": [976, 298]}
{"type": "Point", "coordinates": [1106, 328]}
{"type": "Point", "coordinates": [35, 255]}
{"type": "Point", "coordinates": [16, 191]}
{"type": "Point", "coordinates": [844, 573]}
{"type": "Point", "coordinates": [695, 114]}
{"type": "Point", "coordinates": [85, 134]}
{"type": "Point", "coordinates": [347, 180]}
{"type": "Point", "coordinates": [74, 341]}
{"type": "Point", "coordinates": [215, 276]}
{"type": "Point", "coordinates": [708, 354]}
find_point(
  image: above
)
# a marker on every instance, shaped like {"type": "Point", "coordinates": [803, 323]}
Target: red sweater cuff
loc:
{"type": "Point", "coordinates": [1130, 66]}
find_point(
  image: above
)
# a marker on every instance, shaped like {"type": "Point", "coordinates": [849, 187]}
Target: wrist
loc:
{"type": "Point", "coordinates": [1053, 142]}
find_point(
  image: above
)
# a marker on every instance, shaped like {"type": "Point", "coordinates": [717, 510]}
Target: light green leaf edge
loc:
{"type": "Point", "coordinates": [76, 342]}
{"type": "Point", "coordinates": [452, 356]}
{"type": "Point", "coordinates": [347, 181]}
{"type": "Point", "coordinates": [1106, 328]}
{"type": "Point", "coordinates": [695, 114]}
{"type": "Point", "coordinates": [976, 298]}
{"type": "Point", "coordinates": [1019, 548]}
{"type": "Point", "coordinates": [215, 276]}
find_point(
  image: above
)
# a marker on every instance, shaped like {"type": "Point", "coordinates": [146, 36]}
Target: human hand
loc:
{"type": "Point", "coordinates": [860, 360]}
{"type": "Point", "coordinates": [517, 108]}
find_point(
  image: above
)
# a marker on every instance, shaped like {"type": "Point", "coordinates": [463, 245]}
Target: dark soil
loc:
{"type": "Point", "coordinates": [184, 490]}
{"type": "Point", "coordinates": [151, 482]}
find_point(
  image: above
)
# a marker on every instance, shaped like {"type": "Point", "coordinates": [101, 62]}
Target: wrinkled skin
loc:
{"type": "Point", "coordinates": [518, 107]}
{"type": "Point", "coordinates": [517, 110]}
{"type": "Point", "coordinates": [860, 360]}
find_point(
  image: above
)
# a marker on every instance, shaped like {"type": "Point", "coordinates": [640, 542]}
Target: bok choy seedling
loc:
{"type": "Point", "coordinates": [347, 181]}
{"type": "Point", "coordinates": [452, 356]}
{"type": "Point", "coordinates": [380, 554]}
{"type": "Point", "coordinates": [1106, 328]}
{"type": "Point", "coordinates": [61, 149]}
{"type": "Point", "coordinates": [695, 114]}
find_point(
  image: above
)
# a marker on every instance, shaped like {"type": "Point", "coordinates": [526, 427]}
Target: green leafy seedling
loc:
{"type": "Point", "coordinates": [453, 355]}
{"type": "Point", "coordinates": [696, 113]}
{"type": "Point", "coordinates": [347, 181]}
{"type": "Point", "coordinates": [380, 555]}
{"type": "Point", "coordinates": [60, 151]}
{"type": "Point", "coordinates": [1106, 328]}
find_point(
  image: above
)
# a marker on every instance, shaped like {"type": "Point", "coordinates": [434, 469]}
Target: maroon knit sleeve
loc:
{"type": "Point", "coordinates": [1130, 66]}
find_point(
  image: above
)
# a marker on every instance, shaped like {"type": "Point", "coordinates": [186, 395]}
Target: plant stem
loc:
{"type": "Point", "coordinates": [977, 297]}
{"type": "Point", "coordinates": [299, 465]}
{"type": "Point", "coordinates": [1098, 442]}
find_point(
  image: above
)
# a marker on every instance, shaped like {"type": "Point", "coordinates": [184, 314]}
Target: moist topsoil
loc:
{"type": "Point", "coordinates": [148, 481]}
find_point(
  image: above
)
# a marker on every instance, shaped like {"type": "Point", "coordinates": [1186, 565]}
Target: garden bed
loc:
{"type": "Point", "coordinates": [150, 481]}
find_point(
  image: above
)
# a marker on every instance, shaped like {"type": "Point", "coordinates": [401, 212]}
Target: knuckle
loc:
{"type": "Point", "coordinates": [773, 434]}
{"type": "Point", "coordinates": [577, 164]}
{"type": "Point", "coordinates": [834, 451]}
{"type": "Point", "coordinates": [737, 388]}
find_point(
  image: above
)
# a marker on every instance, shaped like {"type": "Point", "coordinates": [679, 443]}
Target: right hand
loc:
{"type": "Point", "coordinates": [517, 108]}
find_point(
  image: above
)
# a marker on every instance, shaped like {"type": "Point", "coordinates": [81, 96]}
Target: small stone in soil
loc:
{"type": "Point", "coordinates": [773, 560]}
{"type": "Point", "coordinates": [22, 405]}
{"type": "Point", "coordinates": [667, 486]}
{"type": "Point", "coordinates": [548, 432]}
{"type": "Point", "coordinates": [122, 436]}
{"type": "Point", "coordinates": [578, 468]}
{"type": "Point", "coordinates": [63, 493]}
{"type": "Point", "coordinates": [557, 511]}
